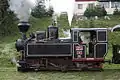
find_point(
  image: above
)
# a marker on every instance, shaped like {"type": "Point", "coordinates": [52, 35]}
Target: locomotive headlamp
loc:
{"type": "Point", "coordinates": [23, 26]}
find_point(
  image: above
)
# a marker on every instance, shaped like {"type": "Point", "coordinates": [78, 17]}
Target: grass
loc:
{"type": "Point", "coordinates": [12, 74]}
{"type": "Point", "coordinates": [55, 76]}
{"type": "Point", "coordinates": [7, 51]}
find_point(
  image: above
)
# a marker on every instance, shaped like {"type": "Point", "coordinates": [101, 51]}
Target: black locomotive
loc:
{"type": "Point", "coordinates": [44, 50]}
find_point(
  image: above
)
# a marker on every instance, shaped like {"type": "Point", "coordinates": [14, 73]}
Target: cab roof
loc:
{"type": "Point", "coordinates": [88, 29]}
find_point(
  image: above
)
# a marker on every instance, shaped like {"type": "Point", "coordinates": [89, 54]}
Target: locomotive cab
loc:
{"type": "Point", "coordinates": [89, 44]}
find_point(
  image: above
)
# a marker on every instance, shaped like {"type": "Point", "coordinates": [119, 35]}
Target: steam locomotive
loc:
{"type": "Point", "coordinates": [44, 50]}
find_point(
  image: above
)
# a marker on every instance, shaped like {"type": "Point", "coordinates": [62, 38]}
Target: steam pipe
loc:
{"type": "Point", "coordinates": [23, 36]}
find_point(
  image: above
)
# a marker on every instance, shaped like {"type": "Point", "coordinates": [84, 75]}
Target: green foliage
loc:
{"type": "Point", "coordinates": [114, 38]}
{"type": "Point", "coordinates": [63, 24]}
{"type": "Point", "coordinates": [116, 11]}
{"type": "Point", "coordinates": [95, 11]}
{"type": "Point", "coordinates": [63, 21]}
{"type": "Point", "coordinates": [39, 23]}
{"type": "Point", "coordinates": [39, 11]}
{"type": "Point", "coordinates": [89, 12]}
{"type": "Point", "coordinates": [7, 19]}
{"type": "Point", "coordinates": [91, 24]}
{"type": "Point", "coordinates": [50, 11]}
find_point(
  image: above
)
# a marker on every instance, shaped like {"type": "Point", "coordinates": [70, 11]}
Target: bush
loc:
{"type": "Point", "coordinates": [116, 11]}
{"type": "Point", "coordinates": [95, 11]}
{"type": "Point", "coordinates": [91, 24]}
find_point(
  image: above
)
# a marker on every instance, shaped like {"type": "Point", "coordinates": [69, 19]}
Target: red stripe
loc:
{"type": "Point", "coordinates": [88, 60]}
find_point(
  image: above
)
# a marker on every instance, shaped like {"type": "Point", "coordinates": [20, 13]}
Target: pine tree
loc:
{"type": "Point", "coordinates": [40, 11]}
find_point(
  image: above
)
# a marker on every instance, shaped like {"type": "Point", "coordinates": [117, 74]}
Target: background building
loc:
{"type": "Point", "coordinates": [81, 5]}
{"type": "Point", "coordinates": [110, 5]}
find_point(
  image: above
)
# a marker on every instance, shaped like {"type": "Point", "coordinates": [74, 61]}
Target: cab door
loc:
{"type": "Point", "coordinates": [101, 45]}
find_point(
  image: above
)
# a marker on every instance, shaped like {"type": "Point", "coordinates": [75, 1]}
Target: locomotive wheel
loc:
{"type": "Point", "coordinates": [21, 69]}
{"type": "Point", "coordinates": [64, 68]}
{"type": "Point", "coordinates": [84, 69]}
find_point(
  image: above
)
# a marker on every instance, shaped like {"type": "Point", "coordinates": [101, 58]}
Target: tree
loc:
{"type": "Point", "coordinates": [39, 11]}
{"type": "Point", "coordinates": [3, 7]}
{"type": "Point", "coordinates": [89, 12]}
{"type": "Point", "coordinates": [95, 11]}
{"type": "Point", "coordinates": [50, 11]}
{"type": "Point", "coordinates": [7, 17]}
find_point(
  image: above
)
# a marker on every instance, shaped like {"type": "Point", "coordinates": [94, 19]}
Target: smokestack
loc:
{"type": "Point", "coordinates": [23, 26]}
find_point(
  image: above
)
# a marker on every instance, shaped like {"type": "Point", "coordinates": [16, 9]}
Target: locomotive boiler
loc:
{"type": "Point", "coordinates": [44, 50]}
